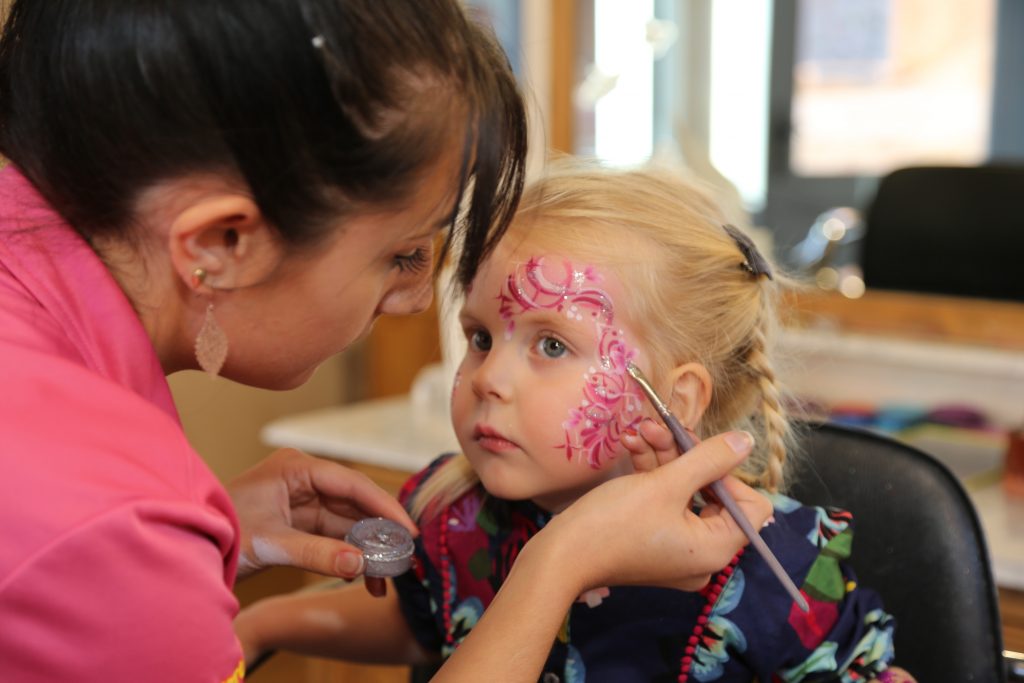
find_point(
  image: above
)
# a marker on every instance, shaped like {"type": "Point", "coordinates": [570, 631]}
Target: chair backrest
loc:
{"type": "Point", "coordinates": [918, 542]}
{"type": "Point", "coordinates": [947, 230]}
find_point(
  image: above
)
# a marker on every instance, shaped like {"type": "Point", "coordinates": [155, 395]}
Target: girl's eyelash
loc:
{"type": "Point", "coordinates": [414, 262]}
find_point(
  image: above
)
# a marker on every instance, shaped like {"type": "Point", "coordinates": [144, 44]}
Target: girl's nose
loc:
{"type": "Point", "coordinates": [491, 378]}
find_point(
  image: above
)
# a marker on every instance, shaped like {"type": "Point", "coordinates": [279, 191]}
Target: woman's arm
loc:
{"type": "Point", "coordinates": [342, 623]}
{"type": "Point", "coordinates": [636, 529]}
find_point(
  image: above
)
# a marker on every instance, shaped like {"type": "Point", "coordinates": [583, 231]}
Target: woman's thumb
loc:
{"type": "Point", "coordinates": [709, 461]}
{"type": "Point", "coordinates": [322, 555]}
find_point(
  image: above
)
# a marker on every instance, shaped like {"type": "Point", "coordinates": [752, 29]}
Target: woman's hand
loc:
{"type": "Point", "coordinates": [293, 509]}
{"type": "Point", "coordinates": [635, 529]}
{"type": "Point", "coordinates": [639, 529]}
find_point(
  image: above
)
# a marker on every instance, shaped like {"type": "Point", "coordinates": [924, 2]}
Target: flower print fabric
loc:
{"type": "Point", "coordinates": [752, 631]}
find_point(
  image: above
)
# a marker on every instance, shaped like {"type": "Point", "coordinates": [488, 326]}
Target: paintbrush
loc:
{"type": "Point", "coordinates": [685, 442]}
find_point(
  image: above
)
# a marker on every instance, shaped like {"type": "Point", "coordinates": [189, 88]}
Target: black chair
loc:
{"type": "Point", "coordinates": [918, 542]}
{"type": "Point", "coordinates": [947, 230]}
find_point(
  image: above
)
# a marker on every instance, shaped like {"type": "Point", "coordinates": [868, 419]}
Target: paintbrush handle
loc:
{"type": "Point", "coordinates": [730, 504]}
{"type": "Point", "coordinates": [684, 443]}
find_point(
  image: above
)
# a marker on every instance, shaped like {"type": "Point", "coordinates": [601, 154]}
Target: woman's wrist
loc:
{"type": "Point", "coordinates": [556, 553]}
{"type": "Point", "coordinates": [249, 629]}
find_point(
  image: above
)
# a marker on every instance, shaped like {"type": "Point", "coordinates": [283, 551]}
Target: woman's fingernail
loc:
{"type": "Point", "coordinates": [629, 431]}
{"type": "Point", "coordinates": [349, 564]}
{"type": "Point", "coordinates": [376, 586]}
{"type": "Point", "coordinates": [739, 442]}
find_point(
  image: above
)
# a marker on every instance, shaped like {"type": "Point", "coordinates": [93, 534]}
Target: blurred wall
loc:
{"type": "Point", "coordinates": [223, 419]}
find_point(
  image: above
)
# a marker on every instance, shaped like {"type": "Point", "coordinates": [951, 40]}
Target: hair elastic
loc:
{"type": "Point", "coordinates": [754, 262]}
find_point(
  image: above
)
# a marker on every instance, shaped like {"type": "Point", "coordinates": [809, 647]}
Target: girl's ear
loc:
{"type": "Point", "coordinates": [690, 393]}
{"type": "Point", "coordinates": [226, 236]}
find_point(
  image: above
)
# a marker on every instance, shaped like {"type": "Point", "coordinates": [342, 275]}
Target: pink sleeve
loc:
{"type": "Point", "coordinates": [160, 612]}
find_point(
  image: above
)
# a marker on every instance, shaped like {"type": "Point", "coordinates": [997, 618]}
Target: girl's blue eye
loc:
{"type": "Point", "coordinates": [480, 340]}
{"type": "Point", "coordinates": [551, 347]}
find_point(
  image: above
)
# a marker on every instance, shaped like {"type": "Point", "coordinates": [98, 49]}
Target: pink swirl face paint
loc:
{"type": "Point", "coordinates": [610, 402]}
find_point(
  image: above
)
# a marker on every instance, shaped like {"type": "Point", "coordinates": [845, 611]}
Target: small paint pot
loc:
{"type": "Point", "coordinates": [387, 546]}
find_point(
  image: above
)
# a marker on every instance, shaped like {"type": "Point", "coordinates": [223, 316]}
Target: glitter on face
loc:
{"type": "Point", "coordinates": [611, 403]}
{"type": "Point", "coordinates": [455, 386]}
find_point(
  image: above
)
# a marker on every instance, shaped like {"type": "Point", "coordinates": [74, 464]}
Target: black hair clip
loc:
{"type": "Point", "coordinates": [754, 263]}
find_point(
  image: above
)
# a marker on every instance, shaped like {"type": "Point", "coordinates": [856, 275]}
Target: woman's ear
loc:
{"type": "Point", "coordinates": [225, 235]}
{"type": "Point", "coordinates": [690, 393]}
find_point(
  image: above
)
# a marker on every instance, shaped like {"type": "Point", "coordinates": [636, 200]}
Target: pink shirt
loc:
{"type": "Point", "coordinates": [119, 546]}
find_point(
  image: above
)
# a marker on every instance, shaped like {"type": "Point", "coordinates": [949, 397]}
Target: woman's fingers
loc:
{"type": "Point", "coordinates": [294, 508]}
{"type": "Point", "coordinates": [341, 489]}
{"type": "Point", "coordinates": [318, 554]}
{"type": "Point", "coordinates": [650, 445]}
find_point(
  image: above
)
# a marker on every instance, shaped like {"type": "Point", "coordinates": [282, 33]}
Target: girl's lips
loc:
{"type": "Point", "coordinates": [492, 440]}
{"type": "Point", "coordinates": [496, 445]}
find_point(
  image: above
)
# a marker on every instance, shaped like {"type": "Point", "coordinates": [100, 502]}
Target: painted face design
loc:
{"type": "Point", "coordinates": [611, 403]}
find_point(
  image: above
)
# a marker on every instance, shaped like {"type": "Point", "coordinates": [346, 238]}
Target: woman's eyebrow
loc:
{"type": "Point", "coordinates": [444, 221]}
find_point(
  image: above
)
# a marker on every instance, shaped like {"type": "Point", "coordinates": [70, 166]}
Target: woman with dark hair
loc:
{"type": "Point", "coordinates": [243, 187]}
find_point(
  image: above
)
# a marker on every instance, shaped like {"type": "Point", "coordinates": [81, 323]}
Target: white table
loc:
{"type": "Point", "coordinates": [386, 433]}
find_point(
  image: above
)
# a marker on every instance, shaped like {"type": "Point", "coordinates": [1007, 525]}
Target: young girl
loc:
{"type": "Point", "coordinates": [601, 268]}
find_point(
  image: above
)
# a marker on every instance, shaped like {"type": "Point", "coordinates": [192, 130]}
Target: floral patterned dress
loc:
{"type": "Point", "coordinates": [741, 627]}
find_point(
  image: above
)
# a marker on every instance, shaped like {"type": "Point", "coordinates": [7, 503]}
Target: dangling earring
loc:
{"type": "Point", "coordinates": [211, 342]}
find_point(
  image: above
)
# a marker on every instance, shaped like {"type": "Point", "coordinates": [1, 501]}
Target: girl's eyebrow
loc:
{"type": "Point", "coordinates": [555, 322]}
{"type": "Point", "coordinates": [535, 315]}
{"type": "Point", "coordinates": [467, 316]}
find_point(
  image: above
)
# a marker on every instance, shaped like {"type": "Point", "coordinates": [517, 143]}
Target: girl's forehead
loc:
{"type": "Point", "coordinates": [531, 282]}
{"type": "Point", "coordinates": [511, 257]}
{"type": "Point", "coordinates": [530, 265]}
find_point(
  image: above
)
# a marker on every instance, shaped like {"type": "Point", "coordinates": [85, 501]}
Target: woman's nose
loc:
{"type": "Point", "coordinates": [410, 299]}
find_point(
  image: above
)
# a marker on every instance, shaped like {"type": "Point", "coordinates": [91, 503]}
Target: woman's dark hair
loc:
{"type": "Point", "coordinates": [320, 106]}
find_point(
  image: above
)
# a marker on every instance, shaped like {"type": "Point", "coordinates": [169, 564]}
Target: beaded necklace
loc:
{"type": "Point", "coordinates": [446, 583]}
{"type": "Point", "coordinates": [711, 593]}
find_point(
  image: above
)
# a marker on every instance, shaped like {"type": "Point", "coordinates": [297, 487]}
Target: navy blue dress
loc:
{"type": "Point", "coordinates": [742, 626]}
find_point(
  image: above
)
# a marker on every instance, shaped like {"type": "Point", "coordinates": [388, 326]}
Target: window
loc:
{"type": "Point", "coordinates": [881, 84]}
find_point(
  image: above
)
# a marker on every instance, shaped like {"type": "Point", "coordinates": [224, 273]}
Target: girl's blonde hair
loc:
{"type": "Point", "coordinates": [692, 298]}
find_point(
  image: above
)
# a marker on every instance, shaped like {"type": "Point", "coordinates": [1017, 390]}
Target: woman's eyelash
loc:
{"type": "Point", "coordinates": [413, 262]}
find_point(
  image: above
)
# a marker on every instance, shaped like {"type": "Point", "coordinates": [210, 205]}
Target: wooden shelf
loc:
{"type": "Point", "coordinates": [983, 322]}
{"type": "Point", "coordinates": [1011, 606]}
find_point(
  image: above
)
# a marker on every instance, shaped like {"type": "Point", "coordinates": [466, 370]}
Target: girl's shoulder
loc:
{"type": "Point", "coordinates": [846, 622]}
{"type": "Point", "coordinates": [815, 524]}
{"type": "Point", "coordinates": [800, 536]}
{"type": "Point", "coordinates": [414, 483]}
